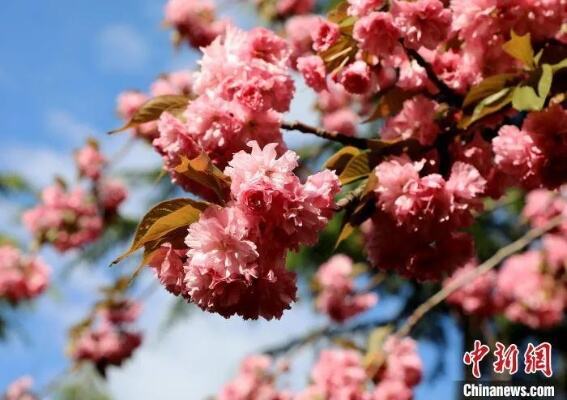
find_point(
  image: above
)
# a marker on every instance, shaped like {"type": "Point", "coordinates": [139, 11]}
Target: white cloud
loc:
{"type": "Point", "coordinates": [64, 125]}
{"type": "Point", "coordinates": [122, 49]}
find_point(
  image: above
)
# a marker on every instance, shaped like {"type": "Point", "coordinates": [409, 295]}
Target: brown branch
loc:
{"type": "Point", "coordinates": [489, 264]}
{"type": "Point", "coordinates": [322, 133]}
{"type": "Point", "coordinates": [447, 94]}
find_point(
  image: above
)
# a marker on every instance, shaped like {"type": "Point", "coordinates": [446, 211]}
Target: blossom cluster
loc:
{"type": "Point", "coordinates": [64, 219]}
{"type": "Point", "coordinates": [337, 297]}
{"type": "Point", "coordinates": [529, 288]}
{"type": "Point", "coordinates": [22, 277]}
{"type": "Point", "coordinates": [416, 228]}
{"type": "Point", "coordinates": [385, 33]}
{"type": "Point", "coordinates": [71, 218]}
{"type": "Point", "coordinates": [338, 374]}
{"type": "Point", "coordinates": [234, 259]}
{"type": "Point", "coordinates": [20, 389]}
{"type": "Point", "coordinates": [341, 374]}
{"type": "Point", "coordinates": [255, 380]}
{"type": "Point", "coordinates": [109, 340]}
{"type": "Point", "coordinates": [194, 21]}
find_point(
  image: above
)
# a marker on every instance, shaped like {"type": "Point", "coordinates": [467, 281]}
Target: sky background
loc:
{"type": "Point", "coordinates": [62, 63]}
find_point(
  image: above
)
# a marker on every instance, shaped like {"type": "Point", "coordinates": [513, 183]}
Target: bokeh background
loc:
{"type": "Point", "coordinates": [62, 64]}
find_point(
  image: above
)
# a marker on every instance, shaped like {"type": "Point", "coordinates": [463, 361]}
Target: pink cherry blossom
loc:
{"type": "Point", "coordinates": [106, 345]}
{"type": "Point", "coordinates": [516, 154]}
{"type": "Point", "coordinates": [403, 362]}
{"type": "Point", "coordinates": [343, 120]}
{"type": "Point", "coordinates": [174, 83]}
{"type": "Point", "coordinates": [298, 34]}
{"type": "Point", "coordinates": [168, 264]}
{"type": "Point", "coordinates": [360, 8]}
{"type": "Point", "coordinates": [266, 188]}
{"type": "Point", "coordinates": [337, 297]}
{"type": "Point", "coordinates": [253, 381]}
{"type": "Point", "coordinates": [414, 255]}
{"type": "Point", "coordinates": [111, 193]}
{"type": "Point", "coordinates": [173, 143]}
{"type": "Point", "coordinates": [475, 297]}
{"type": "Point", "coordinates": [65, 219]}
{"type": "Point", "coordinates": [293, 7]}
{"type": "Point", "coordinates": [356, 78]}
{"type": "Point", "coordinates": [194, 20]}
{"type": "Point", "coordinates": [527, 294]}
{"type": "Point", "coordinates": [416, 120]}
{"type": "Point", "coordinates": [225, 273]}
{"type": "Point", "coordinates": [339, 374]}
{"type": "Point", "coordinates": [422, 22]}
{"type": "Point", "coordinates": [313, 70]}
{"type": "Point", "coordinates": [21, 277]}
{"type": "Point", "coordinates": [120, 312]}
{"type": "Point", "coordinates": [377, 33]}
{"type": "Point", "coordinates": [325, 35]}
{"type": "Point", "coordinates": [90, 161]}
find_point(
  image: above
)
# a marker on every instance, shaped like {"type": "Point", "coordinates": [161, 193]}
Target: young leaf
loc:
{"type": "Point", "coordinates": [525, 98]}
{"type": "Point", "coordinates": [153, 108]}
{"type": "Point", "coordinates": [202, 171]}
{"type": "Point", "coordinates": [356, 168]}
{"type": "Point", "coordinates": [488, 106]}
{"type": "Point", "coordinates": [487, 87]}
{"type": "Point", "coordinates": [162, 219]}
{"type": "Point", "coordinates": [340, 159]}
{"type": "Point", "coordinates": [520, 47]}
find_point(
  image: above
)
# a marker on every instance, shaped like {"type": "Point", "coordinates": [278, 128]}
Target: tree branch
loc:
{"type": "Point", "coordinates": [489, 264]}
{"type": "Point", "coordinates": [447, 94]}
{"type": "Point", "coordinates": [322, 133]}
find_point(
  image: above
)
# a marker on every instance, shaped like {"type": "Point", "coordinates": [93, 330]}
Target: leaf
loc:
{"type": "Point", "coordinates": [356, 168]}
{"type": "Point", "coordinates": [544, 84]}
{"type": "Point", "coordinates": [525, 98]}
{"type": "Point", "coordinates": [202, 171]}
{"type": "Point", "coordinates": [488, 106]}
{"type": "Point", "coordinates": [520, 47]}
{"type": "Point", "coordinates": [340, 159]}
{"type": "Point", "coordinates": [560, 65]}
{"type": "Point", "coordinates": [346, 230]}
{"type": "Point", "coordinates": [487, 87]}
{"type": "Point", "coordinates": [390, 103]}
{"type": "Point", "coordinates": [152, 109]}
{"type": "Point", "coordinates": [162, 219]}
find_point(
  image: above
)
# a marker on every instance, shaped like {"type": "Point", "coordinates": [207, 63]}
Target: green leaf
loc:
{"type": "Point", "coordinates": [162, 219]}
{"type": "Point", "coordinates": [487, 87]}
{"type": "Point", "coordinates": [340, 159]}
{"type": "Point", "coordinates": [525, 98]}
{"type": "Point", "coordinates": [346, 231]}
{"type": "Point", "coordinates": [152, 109]}
{"type": "Point", "coordinates": [520, 47]}
{"type": "Point", "coordinates": [560, 65]}
{"type": "Point", "coordinates": [357, 168]}
{"type": "Point", "coordinates": [202, 171]}
{"type": "Point", "coordinates": [488, 106]}
{"type": "Point", "coordinates": [544, 84]}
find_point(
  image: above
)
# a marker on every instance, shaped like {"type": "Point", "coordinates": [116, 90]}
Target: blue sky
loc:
{"type": "Point", "coordinates": [62, 64]}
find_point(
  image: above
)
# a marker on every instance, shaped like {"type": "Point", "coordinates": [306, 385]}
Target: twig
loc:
{"type": "Point", "coordinates": [489, 264]}
{"type": "Point", "coordinates": [447, 94]}
{"type": "Point", "coordinates": [322, 133]}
